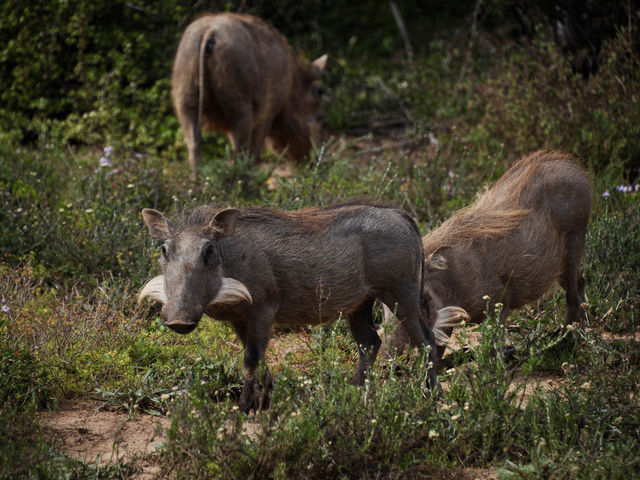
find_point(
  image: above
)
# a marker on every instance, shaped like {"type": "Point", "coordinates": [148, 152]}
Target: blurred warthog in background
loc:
{"type": "Point", "coordinates": [236, 74]}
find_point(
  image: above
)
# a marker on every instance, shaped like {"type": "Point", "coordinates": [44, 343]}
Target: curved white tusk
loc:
{"type": "Point", "coordinates": [231, 291]}
{"type": "Point", "coordinates": [154, 289]}
{"type": "Point", "coordinates": [448, 317]}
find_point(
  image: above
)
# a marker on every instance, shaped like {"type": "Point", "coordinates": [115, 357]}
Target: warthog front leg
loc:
{"type": "Point", "coordinates": [255, 335]}
{"type": "Point", "coordinates": [366, 337]}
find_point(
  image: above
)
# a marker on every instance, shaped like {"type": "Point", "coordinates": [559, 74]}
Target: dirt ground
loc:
{"type": "Point", "coordinates": [105, 437]}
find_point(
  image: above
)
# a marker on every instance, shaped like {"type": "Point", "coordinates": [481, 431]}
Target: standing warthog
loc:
{"type": "Point", "coordinates": [256, 268]}
{"type": "Point", "coordinates": [512, 244]}
{"type": "Point", "coordinates": [236, 74]}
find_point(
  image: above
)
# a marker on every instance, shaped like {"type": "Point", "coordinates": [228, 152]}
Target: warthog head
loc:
{"type": "Point", "coordinates": [193, 279]}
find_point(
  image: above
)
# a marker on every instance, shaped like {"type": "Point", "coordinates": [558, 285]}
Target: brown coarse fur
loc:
{"type": "Point", "coordinates": [298, 267]}
{"type": "Point", "coordinates": [236, 74]}
{"type": "Point", "coordinates": [514, 242]}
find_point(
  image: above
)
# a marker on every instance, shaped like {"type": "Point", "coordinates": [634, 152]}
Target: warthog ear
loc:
{"type": "Point", "coordinates": [318, 66]}
{"type": "Point", "coordinates": [448, 317]}
{"type": "Point", "coordinates": [226, 220]}
{"type": "Point", "coordinates": [154, 289]}
{"type": "Point", "coordinates": [231, 291]}
{"type": "Point", "coordinates": [159, 226]}
{"type": "Point", "coordinates": [437, 260]}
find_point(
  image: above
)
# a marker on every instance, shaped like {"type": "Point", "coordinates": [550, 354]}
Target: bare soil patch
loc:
{"type": "Point", "coordinates": [105, 437]}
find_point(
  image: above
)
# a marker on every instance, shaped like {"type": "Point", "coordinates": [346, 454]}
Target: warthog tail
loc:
{"type": "Point", "coordinates": [154, 289]}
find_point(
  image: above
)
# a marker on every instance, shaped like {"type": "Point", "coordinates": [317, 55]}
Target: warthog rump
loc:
{"type": "Point", "coordinates": [236, 74]}
{"type": "Point", "coordinates": [518, 238]}
{"type": "Point", "coordinates": [257, 268]}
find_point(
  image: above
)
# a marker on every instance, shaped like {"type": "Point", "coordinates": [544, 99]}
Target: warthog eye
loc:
{"type": "Point", "coordinates": [317, 91]}
{"type": "Point", "coordinates": [164, 250]}
{"type": "Point", "coordinates": [208, 252]}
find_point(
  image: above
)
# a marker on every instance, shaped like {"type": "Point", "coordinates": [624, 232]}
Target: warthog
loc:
{"type": "Point", "coordinates": [236, 74]}
{"type": "Point", "coordinates": [257, 268]}
{"type": "Point", "coordinates": [512, 244]}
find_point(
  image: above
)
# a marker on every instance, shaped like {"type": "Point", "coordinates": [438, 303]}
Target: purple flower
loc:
{"type": "Point", "coordinates": [5, 308]}
{"type": "Point", "coordinates": [153, 171]}
{"type": "Point", "coordinates": [105, 162]}
{"type": "Point", "coordinates": [622, 188]}
{"type": "Point", "coordinates": [107, 150]}
{"type": "Point", "coordinates": [606, 194]}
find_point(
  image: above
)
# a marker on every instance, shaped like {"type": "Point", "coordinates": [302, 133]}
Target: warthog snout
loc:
{"type": "Point", "coordinates": [183, 322]}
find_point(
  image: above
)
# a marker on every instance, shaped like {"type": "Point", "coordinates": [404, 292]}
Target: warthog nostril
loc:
{"type": "Point", "coordinates": [179, 326]}
{"type": "Point", "coordinates": [183, 320]}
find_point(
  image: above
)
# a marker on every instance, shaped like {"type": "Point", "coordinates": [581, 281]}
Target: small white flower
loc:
{"type": "Point", "coordinates": [164, 397]}
{"type": "Point", "coordinates": [486, 298]}
{"type": "Point", "coordinates": [433, 434]}
{"type": "Point", "coordinates": [455, 417]}
{"type": "Point", "coordinates": [89, 210]}
{"type": "Point", "coordinates": [175, 389]}
{"type": "Point", "coordinates": [374, 421]}
{"type": "Point", "coordinates": [499, 305]}
{"type": "Point", "coordinates": [203, 382]}
{"type": "Point", "coordinates": [130, 185]}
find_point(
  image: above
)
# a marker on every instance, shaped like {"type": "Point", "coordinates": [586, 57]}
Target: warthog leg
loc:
{"type": "Point", "coordinates": [366, 337]}
{"type": "Point", "coordinates": [255, 334]}
{"type": "Point", "coordinates": [572, 280]}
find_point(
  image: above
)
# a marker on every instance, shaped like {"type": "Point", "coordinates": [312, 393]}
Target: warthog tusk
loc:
{"type": "Point", "coordinates": [154, 289]}
{"type": "Point", "coordinates": [231, 291]}
{"type": "Point", "coordinates": [448, 317]}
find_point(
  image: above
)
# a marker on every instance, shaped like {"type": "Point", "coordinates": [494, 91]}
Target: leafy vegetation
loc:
{"type": "Point", "coordinates": [88, 139]}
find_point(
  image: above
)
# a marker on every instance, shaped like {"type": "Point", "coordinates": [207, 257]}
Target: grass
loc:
{"type": "Point", "coordinates": [74, 251]}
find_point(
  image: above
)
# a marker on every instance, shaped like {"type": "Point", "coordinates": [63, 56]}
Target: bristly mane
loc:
{"type": "Point", "coordinates": [528, 167]}
{"type": "Point", "coordinates": [473, 224]}
{"type": "Point", "coordinates": [199, 219]}
{"type": "Point", "coordinates": [493, 215]}
{"type": "Point", "coordinates": [306, 219]}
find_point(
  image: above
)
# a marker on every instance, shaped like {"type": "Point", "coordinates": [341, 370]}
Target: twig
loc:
{"type": "Point", "coordinates": [403, 31]}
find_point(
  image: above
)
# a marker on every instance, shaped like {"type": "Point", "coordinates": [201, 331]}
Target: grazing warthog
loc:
{"type": "Point", "coordinates": [257, 268]}
{"type": "Point", "coordinates": [512, 244]}
{"type": "Point", "coordinates": [236, 74]}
